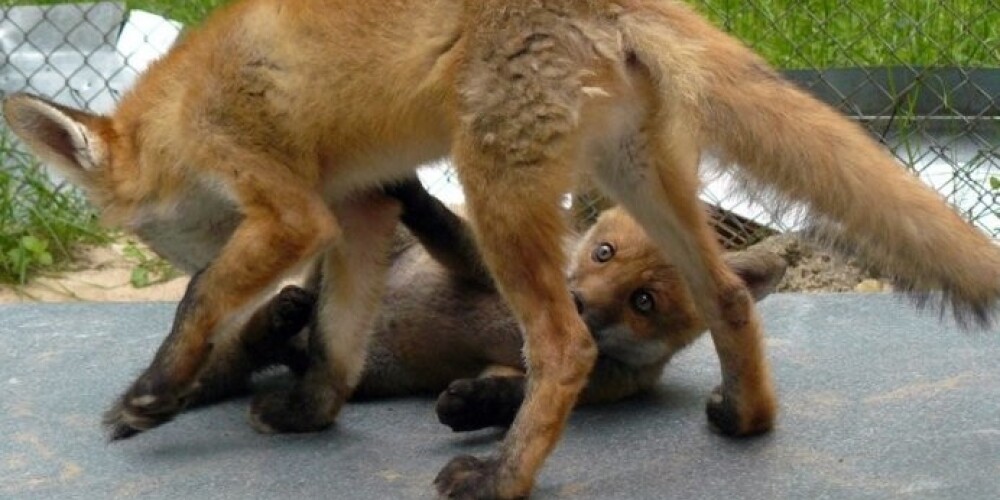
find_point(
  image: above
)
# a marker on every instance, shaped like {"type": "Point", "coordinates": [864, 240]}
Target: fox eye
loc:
{"type": "Point", "coordinates": [603, 253]}
{"type": "Point", "coordinates": [642, 301]}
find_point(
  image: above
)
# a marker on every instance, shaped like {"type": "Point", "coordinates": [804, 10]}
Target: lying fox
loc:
{"type": "Point", "coordinates": [444, 328]}
{"type": "Point", "coordinates": [261, 137]}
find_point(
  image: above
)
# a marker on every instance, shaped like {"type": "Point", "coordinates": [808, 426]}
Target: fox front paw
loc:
{"type": "Point", "coordinates": [147, 404]}
{"type": "Point", "coordinates": [732, 416]}
{"type": "Point", "coordinates": [468, 478]}
{"type": "Point", "coordinates": [472, 404]}
{"type": "Point", "coordinates": [297, 410]}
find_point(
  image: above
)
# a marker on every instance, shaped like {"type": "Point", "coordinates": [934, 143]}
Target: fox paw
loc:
{"type": "Point", "coordinates": [147, 404]}
{"type": "Point", "coordinates": [728, 416]}
{"type": "Point", "coordinates": [294, 411]}
{"type": "Point", "coordinates": [478, 403]}
{"type": "Point", "coordinates": [292, 309]}
{"type": "Point", "coordinates": [468, 478]}
{"type": "Point", "coordinates": [270, 341]}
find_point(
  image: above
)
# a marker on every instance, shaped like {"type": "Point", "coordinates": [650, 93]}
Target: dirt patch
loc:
{"type": "Point", "coordinates": [99, 274]}
{"type": "Point", "coordinates": [812, 270]}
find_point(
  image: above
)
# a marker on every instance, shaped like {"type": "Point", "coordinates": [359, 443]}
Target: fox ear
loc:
{"type": "Point", "coordinates": [761, 271]}
{"type": "Point", "coordinates": [66, 138]}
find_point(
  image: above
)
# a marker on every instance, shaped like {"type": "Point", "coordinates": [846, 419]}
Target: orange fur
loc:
{"type": "Point", "coordinates": [240, 145]}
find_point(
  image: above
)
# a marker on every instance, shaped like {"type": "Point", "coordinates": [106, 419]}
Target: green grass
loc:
{"type": "Point", "coordinates": [40, 222]}
{"type": "Point", "coordinates": [148, 269]}
{"type": "Point", "coordinates": [796, 34]}
{"type": "Point", "coordinates": [185, 11]}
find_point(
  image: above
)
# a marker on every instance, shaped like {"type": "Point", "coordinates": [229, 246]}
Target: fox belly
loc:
{"type": "Point", "coordinates": [433, 329]}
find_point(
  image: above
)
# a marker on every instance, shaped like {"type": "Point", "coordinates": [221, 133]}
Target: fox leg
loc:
{"type": "Point", "coordinates": [492, 399]}
{"type": "Point", "coordinates": [445, 235]}
{"type": "Point", "coordinates": [285, 223]}
{"type": "Point", "coordinates": [265, 340]}
{"type": "Point", "coordinates": [654, 175]}
{"type": "Point", "coordinates": [353, 276]}
{"type": "Point", "coordinates": [515, 211]}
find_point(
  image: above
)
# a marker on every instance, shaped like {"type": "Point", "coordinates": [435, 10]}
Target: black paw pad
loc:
{"type": "Point", "coordinates": [292, 310]}
{"type": "Point", "coordinates": [472, 404]}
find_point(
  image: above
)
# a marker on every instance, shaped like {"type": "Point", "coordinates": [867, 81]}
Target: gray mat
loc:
{"type": "Point", "coordinates": [877, 401]}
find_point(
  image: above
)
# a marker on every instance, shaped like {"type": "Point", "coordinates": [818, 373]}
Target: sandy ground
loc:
{"type": "Point", "coordinates": [102, 274]}
{"type": "Point", "coordinates": [812, 270]}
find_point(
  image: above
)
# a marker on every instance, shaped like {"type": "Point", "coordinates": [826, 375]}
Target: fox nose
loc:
{"type": "Point", "coordinates": [578, 301]}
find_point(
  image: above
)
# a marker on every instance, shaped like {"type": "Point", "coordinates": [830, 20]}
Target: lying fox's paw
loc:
{"type": "Point", "coordinates": [468, 478]}
{"type": "Point", "coordinates": [270, 340]}
{"type": "Point", "coordinates": [476, 403]}
{"type": "Point", "coordinates": [292, 309]}
{"type": "Point", "coordinates": [302, 408]}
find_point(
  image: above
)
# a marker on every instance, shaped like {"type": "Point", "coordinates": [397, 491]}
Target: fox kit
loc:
{"type": "Point", "coordinates": [261, 136]}
{"type": "Point", "coordinates": [443, 326]}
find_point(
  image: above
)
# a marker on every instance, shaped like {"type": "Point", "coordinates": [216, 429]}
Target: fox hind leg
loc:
{"type": "Point", "coordinates": [654, 174]}
{"type": "Point", "coordinates": [523, 94]}
{"type": "Point", "coordinates": [350, 292]}
{"type": "Point", "coordinates": [515, 210]}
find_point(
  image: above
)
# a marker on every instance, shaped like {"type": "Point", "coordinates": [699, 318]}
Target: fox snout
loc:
{"type": "Point", "coordinates": [596, 318]}
{"type": "Point", "coordinates": [577, 300]}
{"type": "Point", "coordinates": [594, 321]}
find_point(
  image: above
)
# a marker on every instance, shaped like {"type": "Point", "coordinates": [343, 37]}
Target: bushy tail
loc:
{"type": "Point", "coordinates": [790, 145]}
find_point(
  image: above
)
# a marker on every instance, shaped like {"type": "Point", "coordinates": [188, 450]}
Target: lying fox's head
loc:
{"type": "Point", "coordinates": [139, 191]}
{"type": "Point", "coordinates": [633, 299]}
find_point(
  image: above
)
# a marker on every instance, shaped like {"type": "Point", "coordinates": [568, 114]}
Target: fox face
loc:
{"type": "Point", "coordinates": [633, 299]}
{"type": "Point", "coordinates": [189, 233]}
{"type": "Point", "coordinates": [189, 230]}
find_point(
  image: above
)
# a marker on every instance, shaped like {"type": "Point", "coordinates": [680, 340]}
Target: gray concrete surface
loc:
{"type": "Point", "coordinates": [877, 401]}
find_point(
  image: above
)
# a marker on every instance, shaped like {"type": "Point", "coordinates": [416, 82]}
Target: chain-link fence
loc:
{"type": "Point", "coordinates": [922, 75]}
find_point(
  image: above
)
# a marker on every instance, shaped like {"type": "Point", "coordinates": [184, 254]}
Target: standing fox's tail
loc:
{"type": "Point", "coordinates": [805, 152]}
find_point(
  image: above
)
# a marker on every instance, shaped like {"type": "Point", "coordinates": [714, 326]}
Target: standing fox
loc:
{"type": "Point", "coordinates": [257, 143]}
{"type": "Point", "coordinates": [443, 326]}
